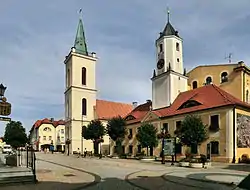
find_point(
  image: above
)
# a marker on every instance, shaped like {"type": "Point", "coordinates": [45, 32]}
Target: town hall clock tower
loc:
{"type": "Point", "coordinates": [169, 78]}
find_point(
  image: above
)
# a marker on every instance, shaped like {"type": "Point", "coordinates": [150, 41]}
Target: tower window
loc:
{"type": "Point", "coordinates": [177, 46]}
{"type": "Point", "coordinates": [161, 48]}
{"type": "Point", "coordinates": [195, 84]}
{"type": "Point", "coordinates": [178, 60]}
{"type": "Point", "coordinates": [208, 80]}
{"type": "Point", "coordinates": [83, 76]}
{"type": "Point", "coordinates": [224, 77]}
{"type": "Point", "coordinates": [68, 78]}
{"type": "Point", "coordinates": [84, 106]}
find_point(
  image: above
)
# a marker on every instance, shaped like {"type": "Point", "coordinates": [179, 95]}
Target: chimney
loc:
{"type": "Point", "coordinates": [135, 104]}
{"type": "Point", "coordinates": [52, 119]}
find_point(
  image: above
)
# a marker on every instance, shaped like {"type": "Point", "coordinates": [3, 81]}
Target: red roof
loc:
{"type": "Point", "coordinates": [38, 123]}
{"type": "Point", "coordinates": [209, 96]}
{"type": "Point", "coordinates": [206, 97]}
{"type": "Point", "coordinates": [107, 109]}
{"type": "Point", "coordinates": [138, 113]}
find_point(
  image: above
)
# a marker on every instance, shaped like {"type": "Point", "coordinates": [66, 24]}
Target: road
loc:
{"type": "Point", "coordinates": [111, 174]}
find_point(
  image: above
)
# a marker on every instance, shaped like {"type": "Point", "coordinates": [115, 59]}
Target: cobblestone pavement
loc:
{"type": "Point", "coordinates": [112, 174]}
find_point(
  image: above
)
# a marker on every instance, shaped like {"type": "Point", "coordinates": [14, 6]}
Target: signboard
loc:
{"type": "Point", "coordinates": [5, 119]}
{"type": "Point", "coordinates": [169, 147]}
{"type": "Point", "coordinates": [5, 108]}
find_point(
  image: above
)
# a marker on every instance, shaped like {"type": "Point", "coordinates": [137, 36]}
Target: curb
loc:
{"type": "Point", "coordinates": [133, 184]}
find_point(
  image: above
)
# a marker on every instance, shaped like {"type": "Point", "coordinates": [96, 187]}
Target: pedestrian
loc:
{"type": "Point", "coordinates": [85, 153]}
{"type": "Point", "coordinates": [78, 151]}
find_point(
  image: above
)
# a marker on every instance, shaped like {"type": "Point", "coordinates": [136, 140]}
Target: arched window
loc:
{"type": "Point", "coordinates": [208, 80]}
{"type": "Point", "coordinates": [247, 96]}
{"type": "Point", "coordinates": [47, 129]}
{"type": "Point", "coordinates": [68, 78]}
{"type": "Point", "coordinates": [195, 84]}
{"type": "Point", "coordinates": [84, 106]}
{"type": "Point", "coordinates": [83, 76]}
{"type": "Point", "coordinates": [224, 77]}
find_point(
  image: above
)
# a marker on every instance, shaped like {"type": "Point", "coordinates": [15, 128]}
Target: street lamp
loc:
{"type": "Point", "coordinates": [2, 89]}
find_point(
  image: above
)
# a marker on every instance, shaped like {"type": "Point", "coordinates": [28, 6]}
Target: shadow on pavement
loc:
{"type": "Point", "coordinates": [239, 167]}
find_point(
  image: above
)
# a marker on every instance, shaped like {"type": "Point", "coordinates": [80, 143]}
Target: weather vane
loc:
{"type": "Point", "coordinates": [229, 57]}
{"type": "Point", "coordinates": [168, 11]}
{"type": "Point", "coordinates": [80, 13]}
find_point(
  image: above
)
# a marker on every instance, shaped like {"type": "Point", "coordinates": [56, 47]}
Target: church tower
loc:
{"type": "Point", "coordinates": [168, 78]}
{"type": "Point", "coordinates": [80, 92]}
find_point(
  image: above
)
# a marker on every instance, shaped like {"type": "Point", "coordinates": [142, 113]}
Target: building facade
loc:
{"type": "Point", "coordinates": [47, 132]}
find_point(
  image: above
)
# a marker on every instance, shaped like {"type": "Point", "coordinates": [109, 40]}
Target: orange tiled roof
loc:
{"type": "Point", "coordinates": [209, 96]}
{"type": "Point", "coordinates": [107, 109]}
{"type": "Point", "coordinates": [138, 113]}
{"type": "Point", "coordinates": [38, 123]}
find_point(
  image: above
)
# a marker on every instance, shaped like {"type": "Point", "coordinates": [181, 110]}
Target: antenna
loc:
{"type": "Point", "coordinates": [229, 57]}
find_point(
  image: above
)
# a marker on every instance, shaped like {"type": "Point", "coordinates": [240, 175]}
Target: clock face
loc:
{"type": "Point", "coordinates": [160, 64]}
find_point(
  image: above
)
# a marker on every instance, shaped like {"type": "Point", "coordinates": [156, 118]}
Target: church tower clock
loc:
{"type": "Point", "coordinates": [168, 80]}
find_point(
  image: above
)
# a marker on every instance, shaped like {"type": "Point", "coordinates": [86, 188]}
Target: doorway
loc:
{"type": "Point", "coordinates": [209, 151]}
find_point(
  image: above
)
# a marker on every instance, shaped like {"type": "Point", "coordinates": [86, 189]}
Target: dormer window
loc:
{"type": "Point", "coordinates": [195, 84]}
{"type": "Point", "coordinates": [224, 77]}
{"type": "Point", "coordinates": [208, 80]}
{"type": "Point", "coordinates": [130, 117]}
{"type": "Point", "coordinates": [189, 103]}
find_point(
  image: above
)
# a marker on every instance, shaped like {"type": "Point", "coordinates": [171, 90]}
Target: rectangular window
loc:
{"type": "Point", "coordinates": [214, 147]}
{"type": "Point", "coordinates": [178, 124]}
{"type": "Point", "coordinates": [50, 138]}
{"type": "Point", "coordinates": [177, 47]}
{"type": "Point", "coordinates": [44, 138]}
{"type": "Point", "coordinates": [130, 149]}
{"type": "Point", "coordinates": [165, 127]}
{"type": "Point", "coordinates": [194, 149]}
{"type": "Point", "coordinates": [62, 139]}
{"type": "Point", "coordinates": [62, 131]}
{"type": "Point", "coordinates": [214, 122]}
{"type": "Point", "coordinates": [131, 132]}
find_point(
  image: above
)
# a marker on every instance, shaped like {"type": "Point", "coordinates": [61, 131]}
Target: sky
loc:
{"type": "Point", "coordinates": [35, 37]}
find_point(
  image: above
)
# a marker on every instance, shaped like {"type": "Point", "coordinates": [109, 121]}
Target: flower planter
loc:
{"type": "Point", "coordinates": [184, 164]}
{"type": "Point", "coordinates": [195, 165]}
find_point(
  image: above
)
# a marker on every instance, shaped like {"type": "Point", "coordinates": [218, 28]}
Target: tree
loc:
{"type": "Point", "coordinates": [15, 134]}
{"type": "Point", "coordinates": [116, 129]}
{"type": "Point", "coordinates": [147, 136]}
{"type": "Point", "coordinates": [192, 131]}
{"type": "Point", "coordinates": [95, 132]}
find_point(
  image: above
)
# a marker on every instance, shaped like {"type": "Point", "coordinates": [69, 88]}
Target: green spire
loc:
{"type": "Point", "coordinates": [80, 42]}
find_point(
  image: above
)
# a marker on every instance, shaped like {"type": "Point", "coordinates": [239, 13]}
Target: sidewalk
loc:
{"type": "Point", "coordinates": [53, 177]}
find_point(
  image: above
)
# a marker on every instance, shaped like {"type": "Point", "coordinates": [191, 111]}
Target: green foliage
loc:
{"type": "Point", "coordinates": [147, 135]}
{"type": "Point", "coordinates": [116, 128]}
{"type": "Point", "coordinates": [94, 131]}
{"type": "Point", "coordinates": [192, 131]}
{"type": "Point", "coordinates": [15, 134]}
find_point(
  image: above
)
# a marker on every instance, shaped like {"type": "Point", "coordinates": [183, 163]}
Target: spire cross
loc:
{"type": "Point", "coordinates": [168, 13]}
{"type": "Point", "coordinates": [80, 13]}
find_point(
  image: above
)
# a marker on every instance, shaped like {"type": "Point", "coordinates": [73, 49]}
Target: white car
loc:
{"type": "Point", "coordinates": [7, 149]}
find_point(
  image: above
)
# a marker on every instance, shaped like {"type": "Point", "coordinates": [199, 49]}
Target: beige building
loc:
{"type": "Point", "coordinates": [47, 132]}
{"type": "Point", "coordinates": [218, 93]}
{"type": "Point", "coordinates": [81, 104]}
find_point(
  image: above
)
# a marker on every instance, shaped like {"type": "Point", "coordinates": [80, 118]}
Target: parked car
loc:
{"type": "Point", "coordinates": [7, 149]}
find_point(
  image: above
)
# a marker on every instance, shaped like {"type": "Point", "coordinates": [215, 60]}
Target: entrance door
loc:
{"type": "Point", "coordinates": [209, 151]}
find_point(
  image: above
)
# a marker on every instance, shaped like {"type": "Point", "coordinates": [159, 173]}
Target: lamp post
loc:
{"type": "Point", "coordinates": [162, 144]}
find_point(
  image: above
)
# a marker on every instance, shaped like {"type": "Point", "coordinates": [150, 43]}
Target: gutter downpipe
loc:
{"type": "Point", "coordinates": [234, 159]}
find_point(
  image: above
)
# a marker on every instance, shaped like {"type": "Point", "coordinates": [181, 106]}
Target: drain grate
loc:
{"type": "Point", "coordinates": [69, 175]}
